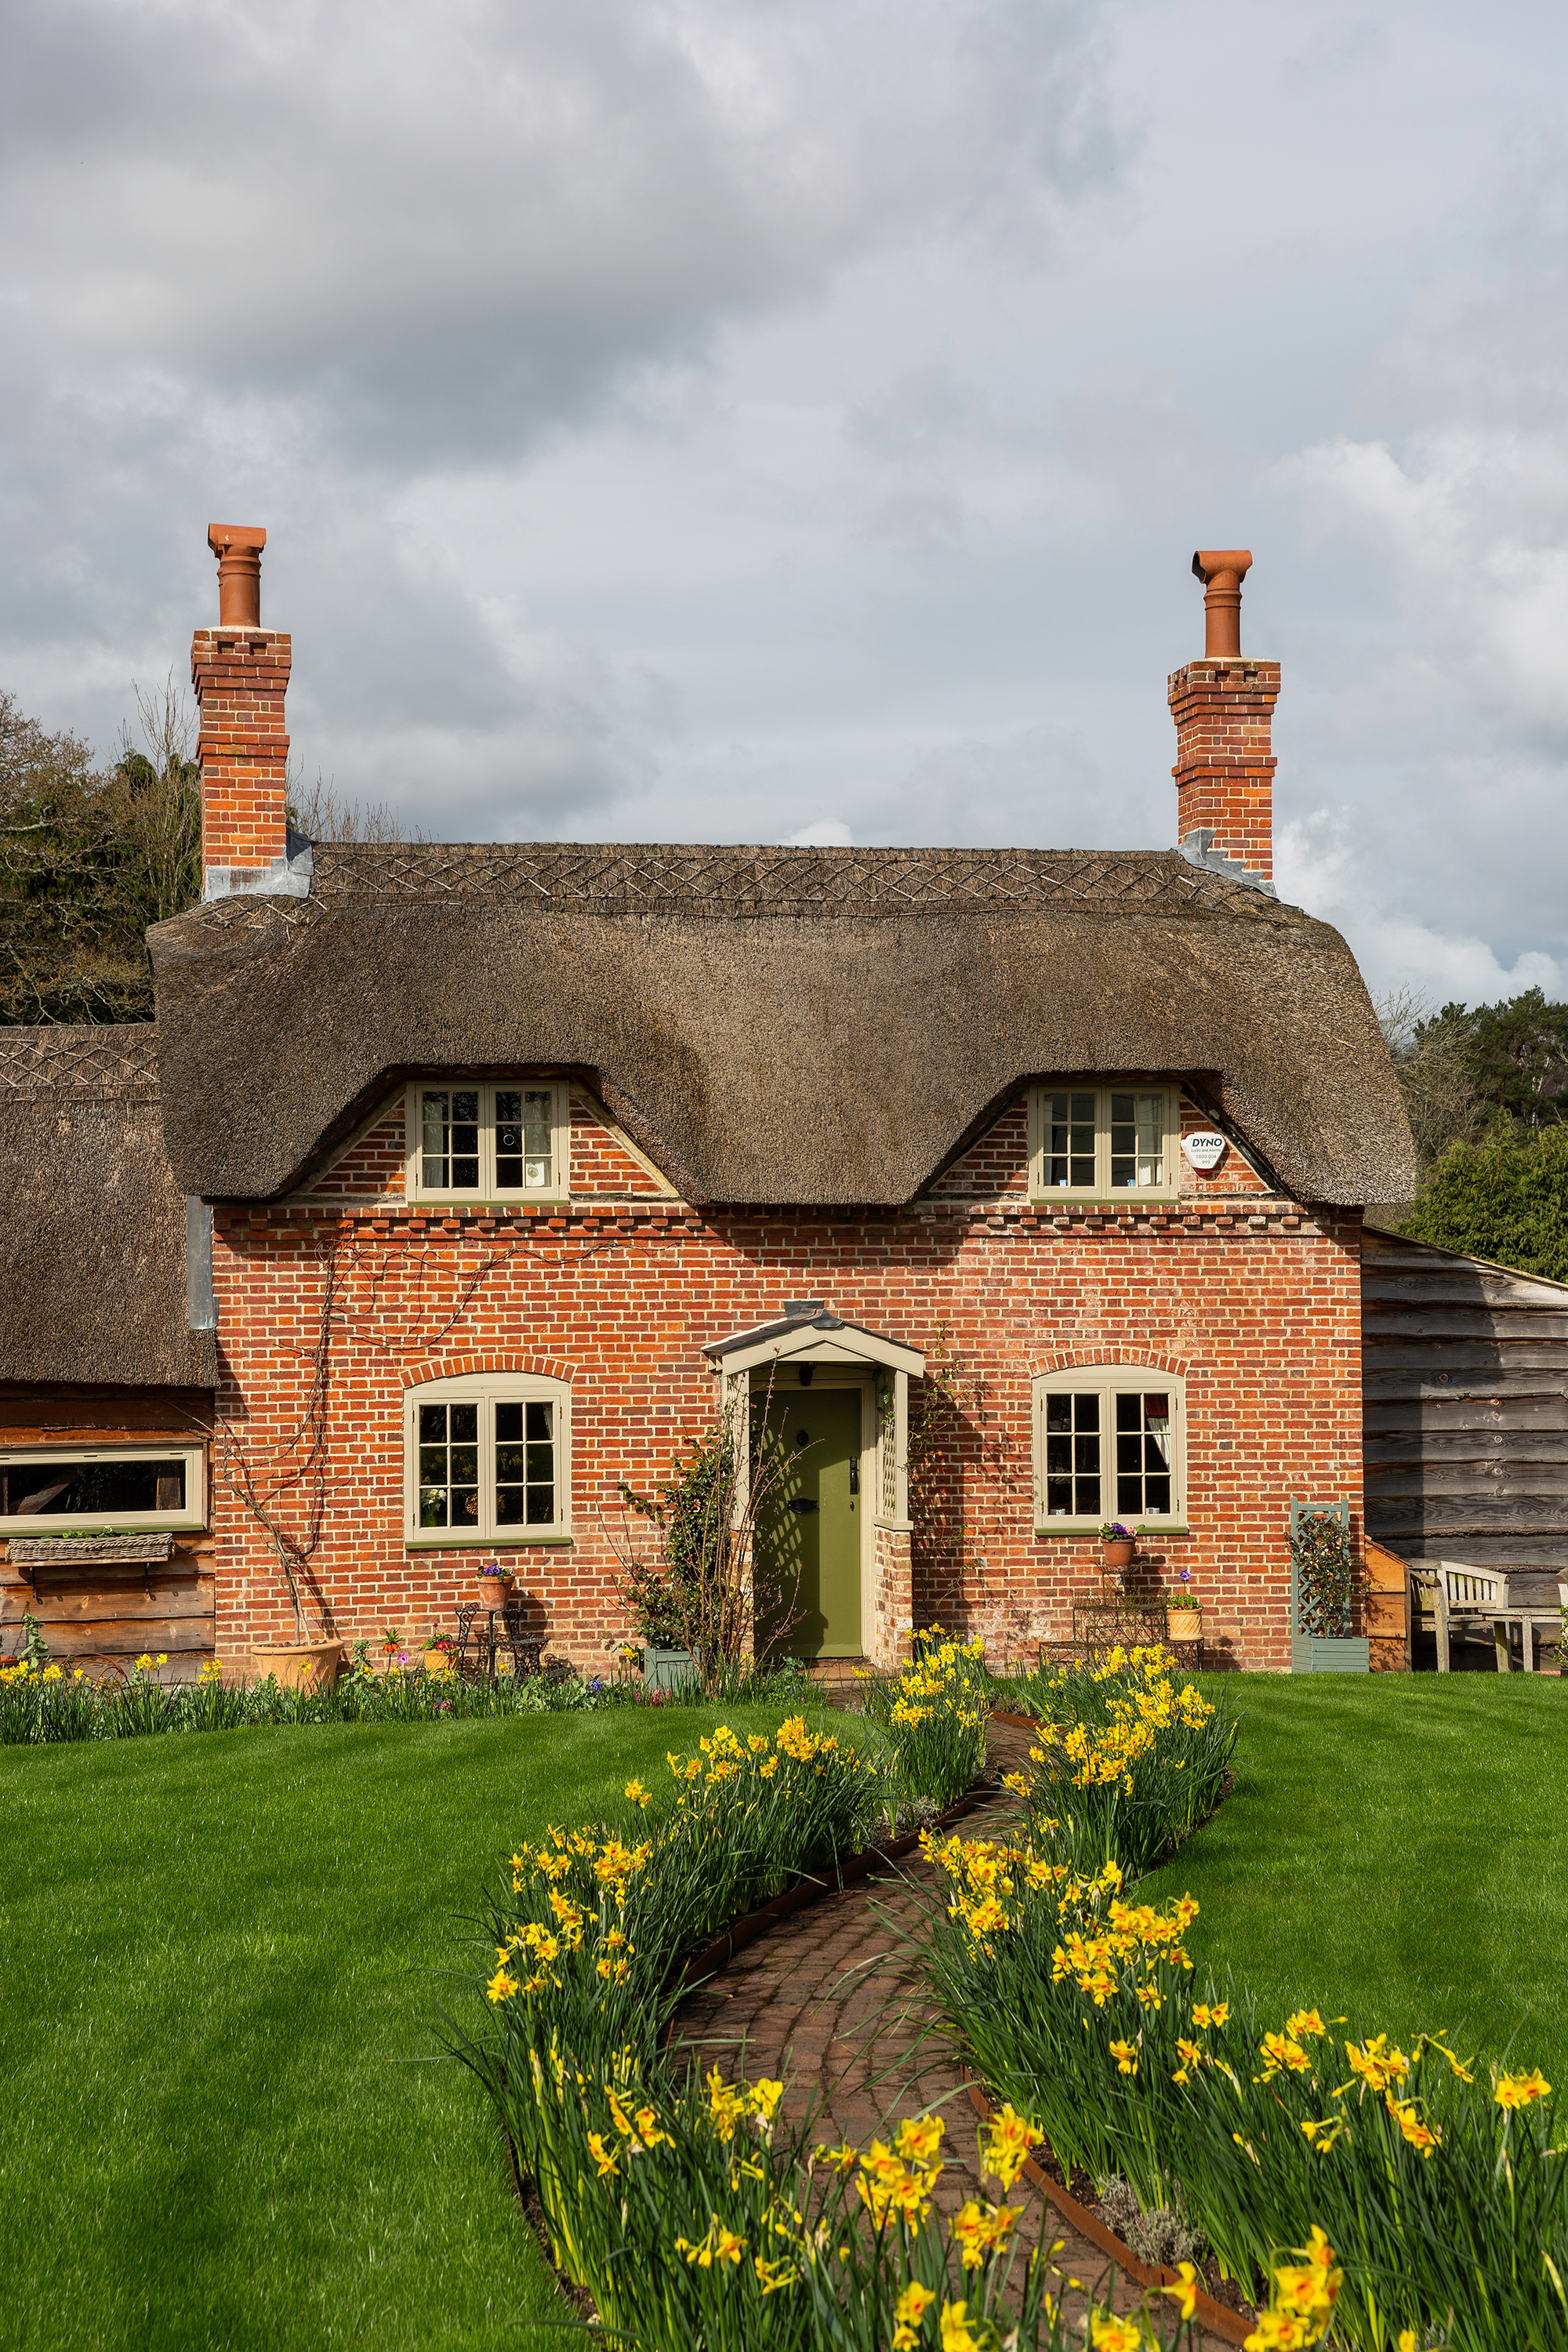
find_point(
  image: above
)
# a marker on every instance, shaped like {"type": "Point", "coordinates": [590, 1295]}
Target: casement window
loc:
{"type": "Point", "coordinates": [1109, 1444]}
{"type": "Point", "coordinates": [1097, 1142]}
{"type": "Point", "coordinates": [487, 1461]}
{"type": "Point", "coordinates": [472, 1142]}
{"type": "Point", "coordinates": [96, 1490]}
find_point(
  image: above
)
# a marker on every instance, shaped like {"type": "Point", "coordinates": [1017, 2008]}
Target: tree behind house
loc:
{"type": "Point", "coordinates": [1505, 1198]}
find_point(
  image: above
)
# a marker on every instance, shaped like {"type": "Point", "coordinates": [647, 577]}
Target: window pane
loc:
{"type": "Point", "coordinates": [525, 1472]}
{"type": "Point", "coordinates": [509, 1139]}
{"type": "Point", "coordinates": [45, 1488]}
{"type": "Point", "coordinates": [1137, 1139]}
{"type": "Point", "coordinates": [1142, 1455]}
{"type": "Point", "coordinates": [433, 1140]}
{"type": "Point", "coordinates": [466, 1507]}
{"type": "Point", "coordinates": [1072, 1464]}
{"type": "Point", "coordinates": [464, 1140]}
{"type": "Point", "coordinates": [464, 1424]}
{"type": "Point", "coordinates": [1070, 1140]}
{"type": "Point", "coordinates": [433, 1424]}
{"type": "Point", "coordinates": [536, 1108]}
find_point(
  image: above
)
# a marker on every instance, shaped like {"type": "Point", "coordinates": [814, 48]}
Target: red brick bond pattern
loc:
{"type": "Point", "coordinates": [1257, 1298]}
{"type": "Point", "coordinates": [240, 678]}
{"type": "Point", "coordinates": [1224, 711]}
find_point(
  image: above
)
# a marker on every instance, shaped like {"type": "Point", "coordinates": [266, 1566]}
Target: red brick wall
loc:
{"type": "Point", "coordinates": [602, 1165]}
{"type": "Point", "coordinates": [1224, 711]}
{"type": "Point", "coordinates": [375, 1166]}
{"type": "Point", "coordinates": [240, 678]}
{"type": "Point", "coordinates": [995, 1165]}
{"type": "Point", "coordinates": [1255, 1299]}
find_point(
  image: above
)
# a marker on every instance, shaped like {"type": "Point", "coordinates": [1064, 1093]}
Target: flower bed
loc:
{"type": "Point", "coordinates": [688, 2209]}
{"type": "Point", "coordinates": [42, 1702]}
{"type": "Point", "coordinates": [1436, 2183]}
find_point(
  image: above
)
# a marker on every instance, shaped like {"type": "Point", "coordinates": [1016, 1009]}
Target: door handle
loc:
{"type": "Point", "coordinates": [854, 1475]}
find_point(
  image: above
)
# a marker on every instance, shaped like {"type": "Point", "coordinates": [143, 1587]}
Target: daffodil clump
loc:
{"type": "Point", "coordinates": [1443, 2192]}
{"type": "Point", "coordinates": [679, 2195]}
{"type": "Point", "coordinates": [933, 1715]}
{"type": "Point", "coordinates": [697, 2218]}
{"type": "Point", "coordinates": [1137, 1758]}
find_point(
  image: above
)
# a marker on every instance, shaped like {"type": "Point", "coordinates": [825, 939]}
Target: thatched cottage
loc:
{"type": "Point", "coordinates": [456, 1185]}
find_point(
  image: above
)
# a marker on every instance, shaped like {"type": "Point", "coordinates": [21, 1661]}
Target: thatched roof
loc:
{"type": "Point", "coordinates": [92, 1223]}
{"type": "Point", "coordinates": [772, 1025]}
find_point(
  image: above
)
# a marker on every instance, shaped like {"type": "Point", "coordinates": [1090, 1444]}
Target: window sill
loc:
{"type": "Point", "coordinates": [1151, 1534]}
{"type": "Point", "coordinates": [1105, 1199]}
{"type": "Point", "coordinates": [486, 1201]}
{"type": "Point", "coordinates": [463, 1542]}
{"type": "Point", "coordinates": [35, 1529]}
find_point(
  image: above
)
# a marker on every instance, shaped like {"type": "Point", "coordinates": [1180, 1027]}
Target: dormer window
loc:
{"type": "Point", "coordinates": [1103, 1142]}
{"type": "Point", "coordinates": [472, 1142]}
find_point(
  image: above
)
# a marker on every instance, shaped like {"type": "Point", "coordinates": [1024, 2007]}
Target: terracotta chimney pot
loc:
{"type": "Point", "coordinates": [237, 546]}
{"type": "Point", "coordinates": [1222, 571]}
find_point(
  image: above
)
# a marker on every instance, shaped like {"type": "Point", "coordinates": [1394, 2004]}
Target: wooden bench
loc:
{"type": "Point", "coordinates": [1460, 1596]}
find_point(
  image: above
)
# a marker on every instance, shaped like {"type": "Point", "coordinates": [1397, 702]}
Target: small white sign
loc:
{"type": "Point", "coordinates": [1205, 1147]}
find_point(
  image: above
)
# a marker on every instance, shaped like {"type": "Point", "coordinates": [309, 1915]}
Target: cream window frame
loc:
{"type": "Point", "coordinates": [487, 1390]}
{"type": "Point", "coordinates": [193, 1517]}
{"type": "Point", "coordinates": [488, 1189]}
{"type": "Point", "coordinates": [1102, 1188]}
{"type": "Point", "coordinates": [1111, 1380]}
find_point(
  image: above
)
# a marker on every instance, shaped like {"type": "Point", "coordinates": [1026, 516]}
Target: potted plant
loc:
{"type": "Point", "coordinates": [495, 1584]}
{"type": "Point", "coordinates": [438, 1654]}
{"type": "Point", "coordinates": [1187, 1611]}
{"type": "Point", "coordinates": [1120, 1542]}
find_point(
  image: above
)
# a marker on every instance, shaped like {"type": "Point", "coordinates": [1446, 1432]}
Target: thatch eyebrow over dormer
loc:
{"type": "Point", "coordinates": [802, 1026]}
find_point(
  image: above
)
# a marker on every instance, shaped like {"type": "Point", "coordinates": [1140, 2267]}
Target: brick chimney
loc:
{"type": "Point", "coordinates": [240, 673]}
{"type": "Point", "coordinates": [1224, 710]}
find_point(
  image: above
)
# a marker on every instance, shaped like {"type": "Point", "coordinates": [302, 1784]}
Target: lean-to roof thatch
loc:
{"type": "Point", "coordinates": [772, 1025]}
{"type": "Point", "coordinates": [92, 1223]}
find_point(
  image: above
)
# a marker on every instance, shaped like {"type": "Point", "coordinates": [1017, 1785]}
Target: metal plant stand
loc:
{"type": "Point", "coordinates": [479, 1645]}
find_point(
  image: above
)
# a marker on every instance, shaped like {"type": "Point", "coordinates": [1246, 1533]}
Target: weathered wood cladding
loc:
{"type": "Point", "coordinates": [1465, 1394]}
{"type": "Point", "coordinates": [96, 1614]}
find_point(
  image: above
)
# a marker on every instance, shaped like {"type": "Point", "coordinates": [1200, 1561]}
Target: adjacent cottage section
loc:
{"type": "Point", "coordinates": [1467, 1413]}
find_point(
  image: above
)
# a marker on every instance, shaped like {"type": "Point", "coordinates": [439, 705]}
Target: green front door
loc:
{"type": "Point", "coordinates": [808, 1525]}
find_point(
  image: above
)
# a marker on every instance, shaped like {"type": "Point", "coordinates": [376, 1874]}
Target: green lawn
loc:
{"type": "Point", "coordinates": [219, 1959]}
{"type": "Point", "coordinates": [1395, 1848]}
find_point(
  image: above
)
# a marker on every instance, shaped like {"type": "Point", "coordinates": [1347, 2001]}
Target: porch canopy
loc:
{"type": "Point", "coordinates": [809, 1333]}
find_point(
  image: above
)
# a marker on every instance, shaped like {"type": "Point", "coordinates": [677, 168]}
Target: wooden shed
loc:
{"type": "Point", "coordinates": [1465, 1382]}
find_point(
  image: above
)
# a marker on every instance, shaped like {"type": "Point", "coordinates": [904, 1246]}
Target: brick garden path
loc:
{"type": "Point", "coordinates": [831, 2000]}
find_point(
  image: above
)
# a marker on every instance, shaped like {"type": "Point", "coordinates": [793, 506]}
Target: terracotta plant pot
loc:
{"type": "Point", "coordinates": [1185, 1625]}
{"type": "Point", "coordinates": [437, 1660]}
{"type": "Point", "coordinates": [297, 1665]}
{"type": "Point", "coordinates": [495, 1592]}
{"type": "Point", "coordinates": [1119, 1555]}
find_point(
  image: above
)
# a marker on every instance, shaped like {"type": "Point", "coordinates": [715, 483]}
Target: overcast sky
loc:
{"type": "Point", "coordinates": [793, 419]}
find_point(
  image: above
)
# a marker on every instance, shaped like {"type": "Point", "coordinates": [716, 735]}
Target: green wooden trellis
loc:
{"type": "Point", "coordinates": [1316, 1653]}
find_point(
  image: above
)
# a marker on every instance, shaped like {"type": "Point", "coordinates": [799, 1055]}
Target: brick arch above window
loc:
{"type": "Point", "coordinates": [473, 1367]}
{"type": "Point", "coordinates": [1070, 1360]}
